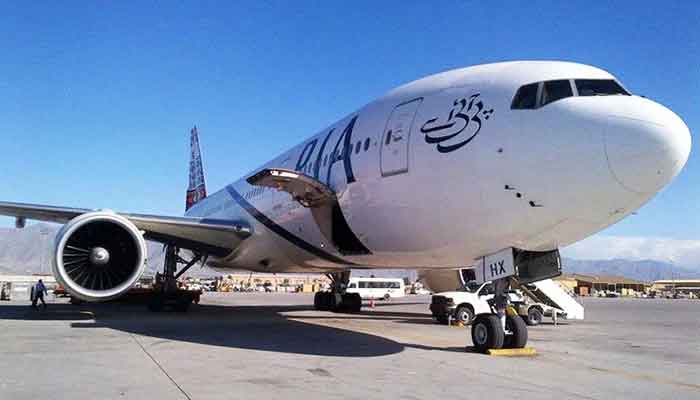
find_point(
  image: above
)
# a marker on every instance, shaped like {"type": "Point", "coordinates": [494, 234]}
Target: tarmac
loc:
{"type": "Point", "coordinates": [275, 346]}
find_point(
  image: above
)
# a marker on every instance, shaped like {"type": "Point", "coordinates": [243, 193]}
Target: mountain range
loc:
{"type": "Point", "coordinates": [642, 270]}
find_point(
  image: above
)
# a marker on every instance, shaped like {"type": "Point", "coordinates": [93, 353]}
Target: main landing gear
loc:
{"type": "Point", "coordinates": [337, 300]}
{"type": "Point", "coordinates": [165, 290]}
{"type": "Point", "coordinates": [504, 329]}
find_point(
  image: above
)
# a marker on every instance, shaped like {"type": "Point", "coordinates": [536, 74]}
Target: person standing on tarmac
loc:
{"type": "Point", "coordinates": [39, 291]}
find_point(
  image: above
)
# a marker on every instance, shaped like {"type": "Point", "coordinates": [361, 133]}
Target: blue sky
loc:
{"type": "Point", "coordinates": [97, 99]}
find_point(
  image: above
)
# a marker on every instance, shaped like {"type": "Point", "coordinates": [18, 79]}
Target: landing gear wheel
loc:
{"type": "Point", "coordinates": [321, 301]}
{"type": "Point", "coordinates": [518, 337]}
{"type": "Point", "coordinates": [534, 316]}
{"type": "Point", "coordinates": [352, 302]}
{"type": "Point", "coordinates": [182, 305]}
{"type": "Point", "coordinates": [464, 314]}
{"type": "Point", "coordinates": [387, 297]}
{"type": "Point", "coordinates": [156, 303]}
{"type": "Point", "coordinates": [487, 333]}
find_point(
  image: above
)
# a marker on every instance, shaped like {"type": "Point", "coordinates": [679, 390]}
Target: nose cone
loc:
{"type": "Point", "coordinates": [646, 145]}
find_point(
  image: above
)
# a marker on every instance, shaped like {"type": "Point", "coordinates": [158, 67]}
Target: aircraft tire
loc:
{"type": "Point", "coordinates": [487, 333]}
{"type": "Point", "coordinates": [320, 301]}
{"type": "Point", "coordinates": [518, 338]}
{"type": "Point", "coordinates": [156, 303]}
{"type": "Point", "coordinates": [182, 305]}
{"type": "Point", "coordinates": [352, 302]}
{"type": "Point", "coordinates": [357, 303]}
{"type": "Point", "coordinates": [464, 314]}
{"type": "Point", "coordinates": [534, 316]}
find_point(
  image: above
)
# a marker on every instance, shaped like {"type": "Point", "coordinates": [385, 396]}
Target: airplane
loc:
{"type": "Point", "coordinates": [493, 167]}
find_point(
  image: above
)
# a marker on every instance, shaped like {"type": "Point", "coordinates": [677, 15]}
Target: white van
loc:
{"type": "Point", "coordinates": [377, 288]}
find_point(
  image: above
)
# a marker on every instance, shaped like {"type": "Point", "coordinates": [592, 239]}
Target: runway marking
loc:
{"type": "Point", "coordinates": [160, 367]}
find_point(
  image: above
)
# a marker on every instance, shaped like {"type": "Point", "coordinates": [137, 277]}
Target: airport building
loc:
{"type": "Point", "coordinates": [587, 285]}
{"type": "Point", "coordinates": [286, 282]}
{"type": "Point", "coordinates": [686, 286]}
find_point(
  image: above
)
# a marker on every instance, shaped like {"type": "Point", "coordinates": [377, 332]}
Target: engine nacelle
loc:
{"type": "Point", "coordinates": [99, 256]}
{"type": "Point", "coordinates": [442, 280]}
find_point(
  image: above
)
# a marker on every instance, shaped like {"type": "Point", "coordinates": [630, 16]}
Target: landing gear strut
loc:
{"type": "Point", "coordinates": [502, 329]}
{"type": "Point", "coordinates": [337, 299]}
{"type": "Point", "coordinates": [165, 290]}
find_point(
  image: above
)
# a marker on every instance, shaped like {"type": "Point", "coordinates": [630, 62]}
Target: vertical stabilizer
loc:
{"type": "Point", "coordinates": [197, 189]}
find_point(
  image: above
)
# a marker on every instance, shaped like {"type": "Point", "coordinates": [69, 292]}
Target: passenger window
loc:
{"type": "Point", "coordinates": [366, 144]}
{"type": "Point", "coordinates": [363, 285]}
{"type": "Point", "coordinates": [357, 147]}
{"type": "Point", "coordinates": [525, 98]}
{"type": "Point", "coordinates": [352, 286]}
{"type": "Point", "coordinates": [556, 90]}
{"type": "Point", "coordinates": [599, 87]}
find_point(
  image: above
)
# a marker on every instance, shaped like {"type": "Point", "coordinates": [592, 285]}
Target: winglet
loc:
{"type": "Point", "coordinates": [197, 189]}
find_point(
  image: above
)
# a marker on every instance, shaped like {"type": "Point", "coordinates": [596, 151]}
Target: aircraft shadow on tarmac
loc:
{"type": "Point", "coordinates": [247, 327]}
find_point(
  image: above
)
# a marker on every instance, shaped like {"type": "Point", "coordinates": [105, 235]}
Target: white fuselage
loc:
{"type": "Point", "coordinates": [442, 171]}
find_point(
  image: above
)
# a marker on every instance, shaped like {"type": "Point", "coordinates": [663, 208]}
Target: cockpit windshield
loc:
{"type": "Point", "coordinates": [539, 94]}
{"type": "Point", "coordinates": [599, 87]}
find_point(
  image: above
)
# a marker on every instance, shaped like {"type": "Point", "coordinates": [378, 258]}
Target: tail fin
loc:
{"type": "Point", "coordinates": [197, 189]}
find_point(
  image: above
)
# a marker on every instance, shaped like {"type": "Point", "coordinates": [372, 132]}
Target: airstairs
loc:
{"type": "Point", "coordinates": [550, 293]}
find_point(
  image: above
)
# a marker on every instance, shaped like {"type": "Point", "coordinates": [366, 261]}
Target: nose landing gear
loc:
{"type": "Point", "coordinates": [501, 329]}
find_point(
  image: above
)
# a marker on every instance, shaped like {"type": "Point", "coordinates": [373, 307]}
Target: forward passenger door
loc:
{"type": "Point", "coordinates": [395, 139]}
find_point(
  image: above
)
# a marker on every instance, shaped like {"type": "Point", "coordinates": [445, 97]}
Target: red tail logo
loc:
{"type": "Point", "coordinates": [197, 189]}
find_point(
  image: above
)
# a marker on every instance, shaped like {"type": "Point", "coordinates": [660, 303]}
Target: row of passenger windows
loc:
{"type": "Point", "coordinates": [254, 192]}
{"type": "Point", "coordinates": [356, 148]}
{"type": "Point", "coordinates": [539, 94]}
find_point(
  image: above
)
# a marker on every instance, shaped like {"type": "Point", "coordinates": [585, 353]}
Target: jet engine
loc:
{"type": "Point", "coordinates": [441, 280]}
{"type": "Point", "coordinates": [99, 256]}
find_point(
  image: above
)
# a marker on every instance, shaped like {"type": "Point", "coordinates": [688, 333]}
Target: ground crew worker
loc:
{"type": "Point", "coordinates": [39, 291]}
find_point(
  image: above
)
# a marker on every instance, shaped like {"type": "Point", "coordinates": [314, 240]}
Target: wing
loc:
{"type": "Point", "coordinates": [211, 236]}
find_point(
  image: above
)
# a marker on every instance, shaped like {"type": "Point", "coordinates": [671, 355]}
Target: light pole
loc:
{"type": "Point", "coordinates": [673, 280]}
{"type": "Point", "coordinates": [44, 232]}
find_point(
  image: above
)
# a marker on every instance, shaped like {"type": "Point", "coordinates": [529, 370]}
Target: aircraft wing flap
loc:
{"type": "Point", "coordinates": [308, 191]}
{"type": "Point", "coordinates": [212, 236]}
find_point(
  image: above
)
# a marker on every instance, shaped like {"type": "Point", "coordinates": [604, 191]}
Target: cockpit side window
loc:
{"type": "Point", "coordinates": [525, 98]}
{"type": "Point", "coordinates": [556, 90]}
{"type": "Point", "coordinates": [599, 87]}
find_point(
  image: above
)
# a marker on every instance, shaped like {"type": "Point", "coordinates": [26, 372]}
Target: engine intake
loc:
{"type": "Point", "coordinates": [99, 256]}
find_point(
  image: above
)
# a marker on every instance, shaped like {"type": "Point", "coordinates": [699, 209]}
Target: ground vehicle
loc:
{"type": "Point", "coordinates": [463, 305]}
{"type": "Point", "coordinates": [377, 288]}
{"type": "Point", "coordinates": [533, 312]}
